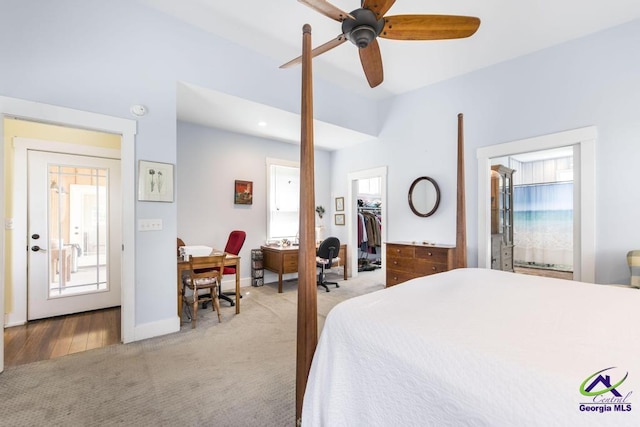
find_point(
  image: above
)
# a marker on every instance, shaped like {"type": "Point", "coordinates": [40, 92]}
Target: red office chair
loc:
{"type": "Point", "coordinates": [234, 244]}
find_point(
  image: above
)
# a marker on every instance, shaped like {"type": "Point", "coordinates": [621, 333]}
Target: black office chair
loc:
{"type": "Point", "coordinates": [326, 255]}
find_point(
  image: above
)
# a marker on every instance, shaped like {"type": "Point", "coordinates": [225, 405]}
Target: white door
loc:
{"type": "Point", "coordinates": [74, 237]}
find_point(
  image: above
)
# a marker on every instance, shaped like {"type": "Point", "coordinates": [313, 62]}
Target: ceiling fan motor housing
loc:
{"type": "Point", "coordinates": [363, 29]}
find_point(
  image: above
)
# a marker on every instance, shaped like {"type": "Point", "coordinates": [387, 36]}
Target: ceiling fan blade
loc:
{"type": "Point", "coordinates": [372, 63]}
{"type": "Point", "coordinates": [379, 7]}
{"type": "Point", "coordinates": [327, 9]}
{"type": "Point", "coordinates": [429, 27]}
{"type": "Point", "coordinates": [318, 51]}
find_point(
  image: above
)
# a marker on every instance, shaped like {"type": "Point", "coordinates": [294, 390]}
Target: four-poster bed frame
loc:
{"type": "Point", "coordinates": [307, 294]}
{"type": "Point", "coordinates": [307, 323]}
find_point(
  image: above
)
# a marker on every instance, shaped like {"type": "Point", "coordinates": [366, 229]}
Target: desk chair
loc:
{"type": "Point", "coordinates": [204, 273]}
{"type": "Point", "coordinates": [234, 244]}
{"type": "Point", "coordinates": [185, 274]}
{"type": "Point", "coordinates": [326, 255]}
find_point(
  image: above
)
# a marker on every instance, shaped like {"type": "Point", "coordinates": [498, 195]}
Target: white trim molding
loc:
{"type": "Point", "coordinates": [155, 329]}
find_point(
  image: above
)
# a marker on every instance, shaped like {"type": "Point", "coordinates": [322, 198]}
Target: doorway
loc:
{"type": "Point", "coordinates": [12, 108]}
{"type": "Point", "coordinates": [351, 211]}
{"type": "Point", "coordinates": [582, 142]}
{"type": "Point", "coordinates": [532, 213]}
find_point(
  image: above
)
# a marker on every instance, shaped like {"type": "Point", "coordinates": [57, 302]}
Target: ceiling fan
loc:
{"type": "Point", "coordinates": [362, 27]}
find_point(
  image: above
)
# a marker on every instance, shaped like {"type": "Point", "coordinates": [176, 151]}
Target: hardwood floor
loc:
{"type": "Point", "coordinates": [58, 336]}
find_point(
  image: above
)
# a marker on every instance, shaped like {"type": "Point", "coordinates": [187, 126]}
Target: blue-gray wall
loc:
{"type": "Point", "coordinates": [592, 81]}
{"type": "Point", "coordinates": [209, 161]}
{"type": "Point", "coordinates": [104, 56]}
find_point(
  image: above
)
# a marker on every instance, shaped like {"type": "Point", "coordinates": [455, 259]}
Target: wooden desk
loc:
{"type": "Point", "coordinates": [285, 260]}
{"type": "Point", "coordinates": [230, 260]}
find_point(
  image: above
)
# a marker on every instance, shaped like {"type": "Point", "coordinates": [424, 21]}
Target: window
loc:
{"type": "Point", "coordinates": [284, 199]}
{"type": "Point", "coordinates": [369, 186]}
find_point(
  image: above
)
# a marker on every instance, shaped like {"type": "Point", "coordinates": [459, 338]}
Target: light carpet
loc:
{"type": "Point", "coordinates": [240, 372]}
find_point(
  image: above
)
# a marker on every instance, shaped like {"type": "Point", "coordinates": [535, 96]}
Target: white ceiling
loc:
{"type": "Point", "coordinates": [508, 29]}
{"type": "Point", "coordinates": [220, 110]}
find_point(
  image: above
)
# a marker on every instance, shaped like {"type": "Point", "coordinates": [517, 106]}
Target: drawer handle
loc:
{"type": "Point", "coordinates": [433, 268]}
{"type": "Point", "coordinates": [398, 250]}
{"type": "Point", "coordinates": [429, 253]}
{"type": "Point", "coordinates": [395, 262]}
{"type": "Point", "coordinates": [395, 277]}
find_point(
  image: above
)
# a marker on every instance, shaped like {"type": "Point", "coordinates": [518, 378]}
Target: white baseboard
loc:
{"type": "Point", "coordinates": [10, 319]}
{"type": "Point", "coordinates": [141, 332]}
{"type": "Point", "coordinates": [11, 324]}
{"type": "Point", "coordinates": [156, 329]}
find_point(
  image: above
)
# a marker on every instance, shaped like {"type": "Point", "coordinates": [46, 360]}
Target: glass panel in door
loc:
{"type": "Point", "coordinates": [78, 218]}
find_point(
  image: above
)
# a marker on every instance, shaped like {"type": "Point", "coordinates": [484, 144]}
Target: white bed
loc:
{"type": "Point", "coordinates": [475, 347]}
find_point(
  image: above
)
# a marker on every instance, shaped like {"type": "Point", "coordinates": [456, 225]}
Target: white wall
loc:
{"type": "Point", "coordinates": [590, 81]}
{"type": "Point", "coordinates": [209, 161]}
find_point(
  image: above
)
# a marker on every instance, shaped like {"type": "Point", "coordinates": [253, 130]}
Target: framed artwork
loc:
{"type": "Point", "coordinates": [339, 219]}
{"type": "Point", "coordinates": [339, 204]}
{"type": "Point", "coordinates": [155, 181]}
{"type": "Point", "coordinates": [243, 192]}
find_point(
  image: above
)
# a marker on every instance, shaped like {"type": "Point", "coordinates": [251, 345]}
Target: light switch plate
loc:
{"type": "Point", "coordinates": [8, 224]}
{"type": "Point", "coordinates": [149, 224]}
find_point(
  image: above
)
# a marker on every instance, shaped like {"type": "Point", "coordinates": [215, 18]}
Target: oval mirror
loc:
{"type": "Point", "coordinates": [424, 196]}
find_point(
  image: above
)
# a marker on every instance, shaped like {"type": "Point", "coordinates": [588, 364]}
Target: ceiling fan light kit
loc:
{"type": "Point", "coordinates": [364, 25]}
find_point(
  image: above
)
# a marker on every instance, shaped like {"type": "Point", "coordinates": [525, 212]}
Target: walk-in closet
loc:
{"type": "Point", "coordinates": [369, 224]}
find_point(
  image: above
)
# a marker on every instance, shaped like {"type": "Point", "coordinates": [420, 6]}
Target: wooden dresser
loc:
{"type": "Point", "coordinates": [408, 260]}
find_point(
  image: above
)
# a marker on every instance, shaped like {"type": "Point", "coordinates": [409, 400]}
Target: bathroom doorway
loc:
{"type": "Point", "coordinates": [532, 213]}
{"type": "Point", "coordinates": [582, 141]}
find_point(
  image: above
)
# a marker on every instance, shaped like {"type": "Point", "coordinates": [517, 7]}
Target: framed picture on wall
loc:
{"type": "Point", "coordinates": [339, 219]}
{"type": "Point", "coordinates": [155, 181]}
{"type": "Point", "coordinates": [243, 193]}
{"type": "Point", "coordinates": [339, 204]}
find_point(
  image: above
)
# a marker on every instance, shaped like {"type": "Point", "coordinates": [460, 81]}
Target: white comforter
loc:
{"type": "Point", "coordinates": [476, 347]}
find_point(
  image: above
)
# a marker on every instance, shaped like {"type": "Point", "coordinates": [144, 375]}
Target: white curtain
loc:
{"type": "Point", "coordinates": [543, 225]}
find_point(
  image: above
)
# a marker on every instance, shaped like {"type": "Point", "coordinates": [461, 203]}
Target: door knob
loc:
{"type": "Point", "coordinates": [37, 249]}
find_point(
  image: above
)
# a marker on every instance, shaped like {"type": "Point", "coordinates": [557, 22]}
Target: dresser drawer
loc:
{"type": "Point", "coordinates": [395, 277]}
{"type": "Point", "coordinates": [400, 251]}
{"type": "Point", "coordinates": [425, 267]}
{"type": "Point", "coordinates": [438, 255]}
{"type": "Point", "coordinates": [401, 264]}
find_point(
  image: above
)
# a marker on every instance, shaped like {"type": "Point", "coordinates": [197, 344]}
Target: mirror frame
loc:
{"type": "Point", "coordinates": [436, 204]}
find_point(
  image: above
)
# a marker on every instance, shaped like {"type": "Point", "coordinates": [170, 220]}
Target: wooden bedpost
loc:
{"type": "Point", "coordinates": [461, 217]}
{"type": "Point", "coordinates": [307, 292]}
